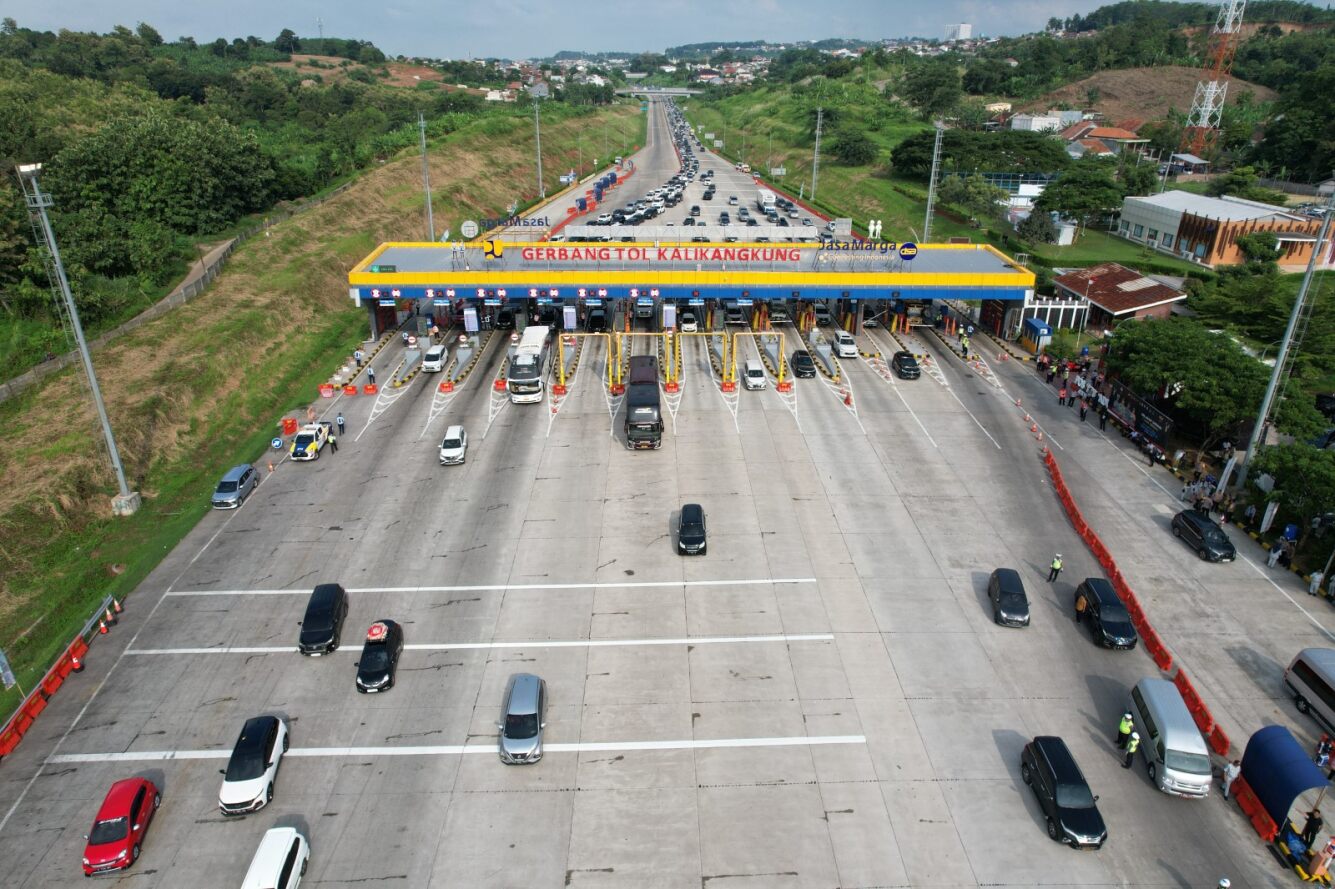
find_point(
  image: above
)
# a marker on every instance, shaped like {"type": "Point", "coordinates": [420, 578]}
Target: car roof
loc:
{"type": "Point", "coordinates": [521, 697]}
{"type": "Point", "coordinates": [269, 856]}
{"type": "Point", "coordinates": [119, 797]}
{"type": "Point", "coordinates": [692, 512]}
{"type": "Point", "coordinates": [1009, 580]}
{"type": "Point", "coordinates": [1102, 590]}
{"type": "Point", "coordinates": [1058, 756]}
{"type": "Point", "coordinates": [253, 732]}
{"type": "Point", "coordinates": [454, 431]}
{"type": "Point", "coordinates": [235, 473]}
{"type": "Point", "coordinates": [324, 593]}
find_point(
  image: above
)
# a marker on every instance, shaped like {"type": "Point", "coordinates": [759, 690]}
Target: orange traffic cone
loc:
{"type": "Point", "coordinates": [111, 618]}
{"type": "Point", "coordinates": [115, 603]}
{"type": "Point", "coordinates": [848, 400]}
{"type": "Point", "coordinates": [76, 663]}
{"type": "Point", "coordinates": [102, 627]}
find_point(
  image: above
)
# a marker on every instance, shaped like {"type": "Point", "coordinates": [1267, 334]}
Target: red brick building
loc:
{"type": "Point", "coordinates": [1116, 293]}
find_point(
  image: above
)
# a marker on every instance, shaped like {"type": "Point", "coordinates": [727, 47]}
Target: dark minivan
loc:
{"type": "Point", "coordinates": [643, 369]}
{"type": "Point", "coordinates": [906, 366]}
{"type": "Point", "coordinates": [691, 530]}
{"type": "Point", "coordinates": [1204, 536]}
{"type": "Point", "coordinates": [1109, 622]}
{"type": "Point", "coordinates": [1047, 766]}
{"type": "Point", "coordinates": [323, 623]}
{"type": "Point", "coordinates": [1010, 605]}
{"type": "Point", "coordinates": [802, 364]}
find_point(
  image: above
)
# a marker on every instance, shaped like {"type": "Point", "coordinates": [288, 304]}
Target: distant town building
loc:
{"type": "Point", "coordinates": [1038, 123]}
{"type": "Point", "coordinates": [1205, 230]}
{"type": "Point", "coordinates": [962, 31]}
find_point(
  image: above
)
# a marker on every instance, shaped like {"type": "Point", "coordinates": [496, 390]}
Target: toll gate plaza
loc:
{"type": "Point", "coordinates": [589, 273]}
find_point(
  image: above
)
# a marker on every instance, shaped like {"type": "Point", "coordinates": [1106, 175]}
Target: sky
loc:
{"type": "Point", "coordinates": [511, 29]}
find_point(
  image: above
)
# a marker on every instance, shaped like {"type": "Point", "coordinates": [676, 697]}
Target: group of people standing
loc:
{"type": "Point", "coordinates": [1079, 386]}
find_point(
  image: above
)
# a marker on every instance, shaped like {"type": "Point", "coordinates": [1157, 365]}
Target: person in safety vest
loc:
{"type": "Point", "coordinates": [1131, 747]}
{"type": "Point", "coordinates": [1055, 568]}
{"type": "Point", "coordinates": [1124, 730]}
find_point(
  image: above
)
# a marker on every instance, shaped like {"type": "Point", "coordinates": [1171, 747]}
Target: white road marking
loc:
{"type": "Point", "coordinates": [466, 749]}
{"type": "Point", "coordinates": [975, 419]}
{"type": "Point", "coordinates": [544, 643]}
{"type": "Point", "coordinates": [505, 587]}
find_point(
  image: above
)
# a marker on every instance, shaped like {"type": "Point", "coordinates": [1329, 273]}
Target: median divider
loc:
{"type": "Point", "coordinates": [1154, 646]}
{"type": "Point", "coordinates": [69, 661]}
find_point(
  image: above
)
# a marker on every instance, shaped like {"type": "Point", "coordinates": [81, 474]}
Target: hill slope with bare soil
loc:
{"type": "Point", "coordinates": [1138, 94]}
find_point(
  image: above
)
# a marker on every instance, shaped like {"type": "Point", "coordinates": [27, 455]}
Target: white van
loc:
{"type": "Point", "coordinates": [1176, 757]}
{"type": "Point", "coordinates": [280, 861]}
{"type": "Point", "coordinates": [434, 360]}
{"type": "Point", "coordinates": [753, 374]}
{"type": "Point", "coordinates": [454, 446]}
{"type": "Point", "coordinates": [1311, 681]}
{"type": "Point", "coordinates": [844, 345]}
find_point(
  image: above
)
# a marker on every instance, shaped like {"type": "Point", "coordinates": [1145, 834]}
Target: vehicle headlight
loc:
{"type": "Point", "coordinates": [86, 861]}
{"type": "Point", "coordinates": [122, 853]}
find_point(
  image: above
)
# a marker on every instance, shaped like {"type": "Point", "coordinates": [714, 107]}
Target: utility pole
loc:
{"type": "Point", "coordinates": [426, 181]}
{"type": "Point", "coordinates": [931, 186]}
{"type": "Point", "coordinates": [38, 202]}
{"type": "Point", "coordinates": [1281, 358]}
{"type": "Point", "coordinates": [815, 155]}
{"type": "Point", "coordinates": [537, 130]}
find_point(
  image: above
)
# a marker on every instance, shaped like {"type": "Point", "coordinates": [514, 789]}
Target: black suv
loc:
{"type": "Point", "coordinates": [1109, 622]}
{"type": "Point", "coordinates": [1047, 766]}
{"type": "Point", "coordinates": [906, 366]}
{"type": "Point", "coordinates": [691, 530]}
{"type": "Point", "coordinates": [1010, 605]}
{"type": "Point", "coordinates": [380, 657]}
{"type": "Point", "coordinates": [1204, 536]}
{"type": "Point", "coordinates": [802, 365]}
{"type": "Point", "coordinates": [323, 623]}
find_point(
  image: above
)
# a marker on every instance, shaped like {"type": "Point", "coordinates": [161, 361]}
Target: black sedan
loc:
{"type": "Point", "coordinates": [906, 366]}
{"type": "Point", "coordinates": [1063, 795]}
{"type": "Point", "coordinates": [801, 364]}
{"type": "Point", "coordinates": [380, 657]}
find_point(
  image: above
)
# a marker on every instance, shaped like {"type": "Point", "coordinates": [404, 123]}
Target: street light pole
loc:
{"type": "Point", "coordinates": [38, 202]}
{"type": "Point", "coordinates": [426, 181]}
{"type": "Point", "coordinates": [537, 130]}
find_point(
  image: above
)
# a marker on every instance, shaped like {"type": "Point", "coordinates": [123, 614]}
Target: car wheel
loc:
{"type": "Point", "coordinates": [1153, 771]}
{"type": "Point", "coordinates": [1301, 703]}
{"type": "Point", "coordinates": [157, 800]}
{"type": "Point", "coordinates": [1205, 557]}
{"type": "Point", "coordinates": [1052, 829]}
{"type": "Point", "coordinates": [268, 795]}
{"type": "Point", "coordinates": [304, 865]}
{"type": "Point", "coordinates": [1177, 532]}
{"type": "Point", "coordinates": [1025, 775]}
{"type": "Point", "coordinates": [287, 740]}
{"type": "Point", "coordinates": [134, 854]}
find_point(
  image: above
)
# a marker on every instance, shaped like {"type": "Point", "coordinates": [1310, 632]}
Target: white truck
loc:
{"type": "Point", "coordinates": [310, 441]}
{"type": "Point", "coordinates": [765, 200]}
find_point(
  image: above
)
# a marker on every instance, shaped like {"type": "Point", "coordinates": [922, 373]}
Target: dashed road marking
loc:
{"type": "Point", "coordinates": [505, 587]}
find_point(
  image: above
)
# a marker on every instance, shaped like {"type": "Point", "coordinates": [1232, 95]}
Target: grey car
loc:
{"type": "Point", "coordinates": [523, 717]}
{"type": "Point", "coordinates": [235, 487]}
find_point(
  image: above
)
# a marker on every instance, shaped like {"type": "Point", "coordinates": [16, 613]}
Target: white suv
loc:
{"type": "Point", "coordinates": [454, 446]}
{"type": "Point", "coordinates": [844, 345]}
{"type": "Point", "coordinates": [252, 769]}
{"type": "Point", "coordinates": [280, 861]}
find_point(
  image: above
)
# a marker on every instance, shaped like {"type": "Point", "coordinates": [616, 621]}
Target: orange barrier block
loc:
{"type": "Point", "coordinates": [1219, 741]}
{"type": "Point", "coordinates": [64, 666]}
{"type": "Point", "coordinates": [9, 739]}
{"type": "Point", "coordinates": [1252, 808]}
{"type": "Point", "coordinates": [51, 684]}
{"type": "Point", "coordinates": [289, 425]}
{"type": "Point", "coordinates": [34, 705]}
{"type": "Point", "coordinates": [370, 389]}
{"type": "Point", "coordinates": [22, 722]}
{"type": "Point", "coordinates": [349, 389]}
{"type": "Point", "coordinates": [79, 648]}
{"type": "Point", "coordinates": [326, 390]}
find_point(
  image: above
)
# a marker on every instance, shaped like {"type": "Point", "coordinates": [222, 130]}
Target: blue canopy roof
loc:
{"type": "Point", "coordinates": [1277, 769]}
{"type": "Point", "coordinates": [1036, 327]}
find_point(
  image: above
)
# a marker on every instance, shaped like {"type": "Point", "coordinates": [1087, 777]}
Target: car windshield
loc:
{"type": "Point", "coordinates": [110, 831]}
{"type": "Point", "coordinates": [1013, 600]}
{"type": "Point", "coordinates": [450, 443]}
{"type": "Point", "coordinates": [226, 487]}
{"type": "Point", "coordinates": [247, 762]}
{"type": "Point", "coordinates": [1115, 614]}
{"type": "Point", "coordinates": [1074, 796]}
{"type": "Point", "coordinates": [303, 441]}
{"type": "Point", "coordinates": [521, 725]}
{"type": "Point", "coordinates": [375, 659]}
{"type": "Point", "coordinates": [1214, 535]}
{"type": "Point", "coordinates": [691, 529]}
{"type": "Point", "coordinates": [1191, 763]}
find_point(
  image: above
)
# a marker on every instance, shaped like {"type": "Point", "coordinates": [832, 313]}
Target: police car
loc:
{"type": "Point", "coordinates": [310, 441]}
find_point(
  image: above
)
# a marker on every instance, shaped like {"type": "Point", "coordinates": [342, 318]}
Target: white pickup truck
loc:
{"type": "Point", "coordinates": [310, 441]}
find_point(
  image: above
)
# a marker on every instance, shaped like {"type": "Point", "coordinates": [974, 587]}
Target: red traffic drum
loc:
{"type": "Point", "coordinates": [377, 632]}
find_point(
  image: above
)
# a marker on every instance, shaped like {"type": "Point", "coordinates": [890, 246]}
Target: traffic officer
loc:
{"type": "Point", "coordinates": [1124, 730]}
{"type": "Point", "coordinates": [1055, 568]}
{"type": "Point", "coordinates": [1131, 747]}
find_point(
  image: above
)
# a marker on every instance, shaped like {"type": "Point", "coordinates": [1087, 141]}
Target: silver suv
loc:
{"type": "Point", "coordinates": [235, 487]}
{"type": "Point", "coordinates": [523, 717]}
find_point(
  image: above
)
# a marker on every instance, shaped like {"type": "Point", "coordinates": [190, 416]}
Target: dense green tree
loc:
{"type": "Point", "coordinates": [1183, 366]}
{"type": "Point", "coordinates": [973, 194]}
{"type": "Point", "coordinates": [1137, 178]}
{"type": "Point", "coordinates": [1304, 481]}
{"type": "Point", "coordinates": [148, 34]}
{"type": "Point", "coordinates": [963, 151]}
{"type": "Point", "coordinates": [932, 87]}
{"type": "Point", "coordinates": [287, 41]}
{"type": "Point", "coordinates": [853, 146]}
{"type": "Point", "coordinates": [1084, 191]}
{"type": "Point", "coordinates": [1241, 182]}
{"type": "Point", "coordinates": [1259, 247]}
{"type": "Point", "coordinates": [1038, 228]}
{"type": "Point", "coordinates": [177, 172]}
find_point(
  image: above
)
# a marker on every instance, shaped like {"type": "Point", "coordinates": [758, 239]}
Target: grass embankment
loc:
{"type": "Point", "coordinates": [202, 388]}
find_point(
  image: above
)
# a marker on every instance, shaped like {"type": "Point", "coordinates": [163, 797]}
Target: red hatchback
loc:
{"type": "Point", "coordinates": [118, 831]}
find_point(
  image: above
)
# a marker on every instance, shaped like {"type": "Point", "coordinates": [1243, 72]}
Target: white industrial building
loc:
{"type": "Point", "coordinates": [962, 31]}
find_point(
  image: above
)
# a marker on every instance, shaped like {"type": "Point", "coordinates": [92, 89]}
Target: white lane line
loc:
{"type": "Point", "coordinates": [466, 749]}
{"type": "Point", "coordinates": [505, 587]}
{"type": "Point", "coordinates": [975, 419]}
{"type": "Point", "coordinates": [476, 646]}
